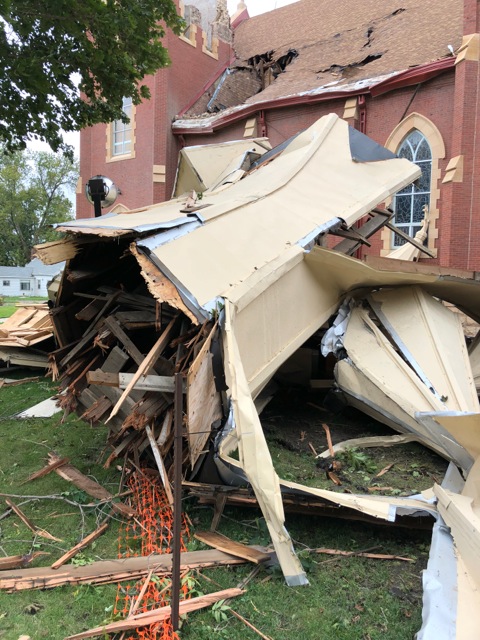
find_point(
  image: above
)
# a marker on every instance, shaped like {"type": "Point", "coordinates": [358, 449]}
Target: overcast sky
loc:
{"type": "Point", "coordinates": [255, 7]}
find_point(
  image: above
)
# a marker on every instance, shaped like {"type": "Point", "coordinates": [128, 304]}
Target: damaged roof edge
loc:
{"type": "Point", "coordinates": [196, 313]}
{"type": "Point", "coordinates": [373, 86]}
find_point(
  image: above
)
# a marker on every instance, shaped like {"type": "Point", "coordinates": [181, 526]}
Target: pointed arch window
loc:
{"type": "Point", "coordinates": [409, 203]}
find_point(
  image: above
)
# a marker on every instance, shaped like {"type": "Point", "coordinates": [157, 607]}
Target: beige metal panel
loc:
{"type": "Point", "coordinates": [352, 275]}
{"type": "Point", "coordinates": [200, 166]}
{"type": "Point", "coordinates": [474, 356]}
{"type": "Point", "coordinates": [430, 336]}
{"type": "Point", "coordinates": [465, 429]}
{"type": "Point", "coordinates": [463, 518]}
{"type": "Point", "coordinates": [383, 507]}
{"type": "Point", "coordinates": [281, 309]}
{"type": "Point", "coordinates": [255, 457]}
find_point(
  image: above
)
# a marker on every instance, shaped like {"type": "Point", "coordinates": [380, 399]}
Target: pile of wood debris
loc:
{"type": "Point", "coordinates": [119, 368]}
{"type": "Point", "coordinates": [26, 337]}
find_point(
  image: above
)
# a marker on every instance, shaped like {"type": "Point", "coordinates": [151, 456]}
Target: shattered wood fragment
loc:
{"type": "Point", "coordinates": [70, 473]}
{"type": "Point", "coordinates": [329, 439]}
{"type": "Point", "coordinates": [108, 571]}
{"type": "Point", "coordinates": [97, 409]}
{"type": "Point", "coordinates": [147, 364]}
{"type": "Point", "coordinates": [161, 466]}
{"type": "Point", "coordinates": [45, 470]}
{"type": "Point", "coordinates": [312, 449]}
{"type": "Point", "coordinates": [81, 545]}
{"type": "Point", "coordinates": [157, 615]}
{"type": "Point", "coordinates": [218, 507]}
{"type": "Point", "coordinates": [373, 489]}
{"type": "Point", "coordinates": [334, 478]}
{"type": "Point", "coordinates": [384, 470]}
{"type": "Point", "coordinates": [16, 562]}
{"type": "Point", "coordinates": [14, 383]}
{"type": "Point", "coordinates": [33, 528]}
{"type": "Point", "coordinates": [161, 384]}
{"type": "Point", "coordinates": [219, 541]}
{"type": "Point", "coordinates": [362, 554]}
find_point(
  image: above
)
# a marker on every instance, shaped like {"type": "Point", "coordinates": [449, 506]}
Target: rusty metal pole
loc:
{"type": "Point", "coordinates": [177, 498]}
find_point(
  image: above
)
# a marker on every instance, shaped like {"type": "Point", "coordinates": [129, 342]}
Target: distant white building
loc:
{"type": "Point", "coordinates": [30, 280]}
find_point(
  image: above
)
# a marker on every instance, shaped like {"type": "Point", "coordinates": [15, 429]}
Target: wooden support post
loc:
{"type": "Point", "coordinates": [177, 496]}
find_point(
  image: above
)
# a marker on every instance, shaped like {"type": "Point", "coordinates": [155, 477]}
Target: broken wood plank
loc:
{"type": "Point", "coordinates": [160, 464]}
{"type": "Point", "coordinates": [147, 363]}
{"type": "Point", "coordinates": [15, 562]}
{"type": "Point", "coordinates": [45, 470]}
{"type": "Point", "coordinates": [329, 439]}
{"type": "Point", "coordinates": [70, 473]}
{"type": "Point", "coordinates": [81, 545]}
{"type": "Point", "coordinates": [221, 542]}
{"type": "Point", "coordinates": [108, 571]}
{"type": "Point", "coordinates": [362, 554]}
{"type": "Point", "coordinates": [157, 615]}
{"type": "Point", "coordinates": [161, 384]}
{"type": "Point", "coordinates": [28, 523]}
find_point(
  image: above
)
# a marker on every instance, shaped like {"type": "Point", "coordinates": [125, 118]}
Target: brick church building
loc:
{"type": "Point", "coordinates": [404, 72]}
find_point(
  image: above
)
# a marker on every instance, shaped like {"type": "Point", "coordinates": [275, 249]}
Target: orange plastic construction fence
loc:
{"type": "Point", "coordinates": [150, 532]}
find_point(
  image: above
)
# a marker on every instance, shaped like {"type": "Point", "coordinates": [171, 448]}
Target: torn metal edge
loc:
{"type": "Point", "coordinates": [440, 588]}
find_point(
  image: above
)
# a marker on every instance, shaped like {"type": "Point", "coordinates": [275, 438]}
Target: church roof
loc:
{"type": "Point", "coordinates": [312, 46]}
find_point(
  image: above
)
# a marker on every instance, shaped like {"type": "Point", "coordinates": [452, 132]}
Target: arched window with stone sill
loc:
{"type": "Point", "coordinates": [422, 129]}
{"type": "Point", "coordinates": [409, 203]}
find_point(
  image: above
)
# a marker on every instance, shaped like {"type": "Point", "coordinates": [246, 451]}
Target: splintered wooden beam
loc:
{"type": "Point", "coordinates": [81, 545]}
{"type": "Point", "coordinates": [157, 615]}
{"type": "Point", "coordinates": [15, 562]}
{"type": "Point", "coordinates": [160, 464]}
{"type": "Point", "coordinates": [108, 571]}
{"type": "Point", "coordinates": [70, 473]}
{"type": "Point", "coordinates": [28, 523]}
{"type": "Point", "coordinates": [46, 470]}
{"type": "Point", "coordinates": [161, 384]}
{"type": "Point", "coordinates": [218, 541]}
{"type": "Point", "coordinates": [147, 364]}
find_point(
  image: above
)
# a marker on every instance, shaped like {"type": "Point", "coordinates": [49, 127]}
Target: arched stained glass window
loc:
{"type": "Point", "coordinates": [408, 203]}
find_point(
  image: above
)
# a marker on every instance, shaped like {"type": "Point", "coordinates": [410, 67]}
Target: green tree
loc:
{"type": "Point", "coordinates": [44, 46]}
{"type": "Point", "coordinates": [33, 195]}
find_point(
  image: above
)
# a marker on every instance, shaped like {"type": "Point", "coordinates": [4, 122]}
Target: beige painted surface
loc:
{"type": "Point", "coordinates": [433, 336]}
{"type": "Point", "coordinates": [199, 167]}
{"type": "Point", "coordinates": [255, 457]}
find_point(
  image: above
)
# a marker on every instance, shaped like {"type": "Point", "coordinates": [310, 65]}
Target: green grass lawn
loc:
{"type": "Point", "coordinates": [349, 598]}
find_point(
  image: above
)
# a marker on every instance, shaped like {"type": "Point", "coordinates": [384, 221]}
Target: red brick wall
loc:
{"type": "Point", "coordinates": [171, 89]}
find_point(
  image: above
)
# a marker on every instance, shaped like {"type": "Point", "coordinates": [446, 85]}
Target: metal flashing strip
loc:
{"type": "Point", "coordinates": [153, 242]}
{"type": "Point", "coordinates": [308, 241]}
{"type": "Point", "coordinates": [143, 228]}
{"type": "Point", "coordinates": [440, 588]}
